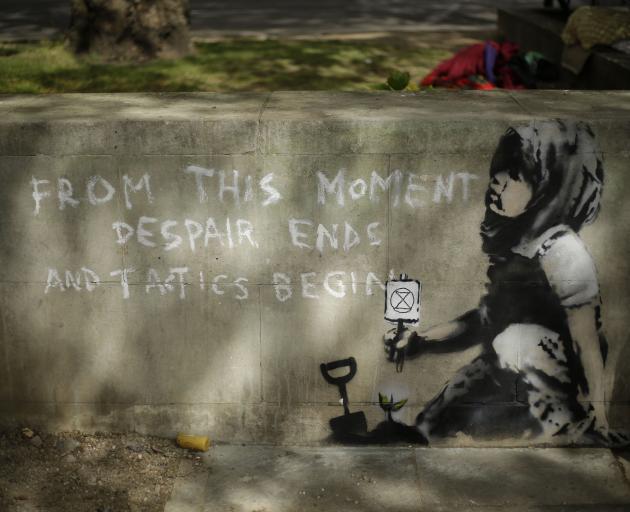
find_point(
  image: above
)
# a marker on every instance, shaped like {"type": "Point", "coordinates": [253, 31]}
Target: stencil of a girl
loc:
{"type": "Point", "coordinates": [540, 318]}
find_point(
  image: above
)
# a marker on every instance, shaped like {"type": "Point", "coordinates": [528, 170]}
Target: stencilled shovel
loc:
{"type": "Point", "coordinates": [351, 423]}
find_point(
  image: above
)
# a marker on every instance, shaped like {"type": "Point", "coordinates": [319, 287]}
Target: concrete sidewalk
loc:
{"type": "Point", "coordinates": [370, 479]}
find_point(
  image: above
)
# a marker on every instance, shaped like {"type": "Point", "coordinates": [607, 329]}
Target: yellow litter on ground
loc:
{"type": "Point", "coordinates": [199, 443]}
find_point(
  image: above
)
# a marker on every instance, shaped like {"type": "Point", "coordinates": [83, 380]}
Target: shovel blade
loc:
{"type": "Point", "coordinates": [349, 424]}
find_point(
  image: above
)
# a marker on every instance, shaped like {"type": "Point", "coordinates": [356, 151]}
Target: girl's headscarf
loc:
{"type": "Point", "coordinates": [561, 162]}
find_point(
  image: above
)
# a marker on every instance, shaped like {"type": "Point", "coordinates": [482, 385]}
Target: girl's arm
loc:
{"type": "Point", "coordinates": [454, 335]}
{"type": "Point", "coordinates": [583, 330]}
{"type": "Point", "coordinates": [445, 331]}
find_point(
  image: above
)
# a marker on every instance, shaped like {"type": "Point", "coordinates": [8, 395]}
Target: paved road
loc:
{"type": "Point", "coordinates": [35, 19]}
{"type": "Point", "coordinates": [371, 479]}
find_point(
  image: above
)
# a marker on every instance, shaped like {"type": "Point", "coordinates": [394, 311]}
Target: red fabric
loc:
{"type": "Point", "coordinates": [459, 71]}
{"type": "Point", "coordinates": [468, 83]}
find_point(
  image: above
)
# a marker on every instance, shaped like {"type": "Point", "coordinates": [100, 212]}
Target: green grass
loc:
{"type": "Point", "coordinates": [230, 65]}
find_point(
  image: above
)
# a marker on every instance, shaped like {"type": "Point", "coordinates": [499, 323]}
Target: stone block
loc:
{"type": "Point", "coordinates": [40, 231]}
{"type": "Point", "coordinates": [78, 353]}
{"type": "Point", "coordinates": [103, 348]}
{"type": "Point", "coordinates": [330, 217]}
{"type": "Point", "coordinates": [208, 206]}
{"type": "Point", "coordinates": [454, 477]}
{"type": "Point", "coordinates": [434, 226]}
{"type": "Point", "coordinates": [254, 478]}
{"type": "Point", "coordinates": [343, 123]}
{"type": "Point", "coordinates": [67, 417]}
{"type": "Point", "coordinates": [301, 333]}
{"type": "Point", "coordinates": [93, 124]}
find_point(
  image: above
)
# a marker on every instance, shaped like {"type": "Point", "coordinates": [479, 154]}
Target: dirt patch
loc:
{"type": "Point", "coordinates": [73, 472]}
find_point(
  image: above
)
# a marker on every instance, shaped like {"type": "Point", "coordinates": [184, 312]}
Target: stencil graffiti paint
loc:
{"type": "Point", "coordinates": [402, 306]}
{"type": "Point", "coordinates": [539, 322]}
{"type": "Point", "coordinates": [402, 300]}
{"type": "Point", "coordinates": [538, 327]}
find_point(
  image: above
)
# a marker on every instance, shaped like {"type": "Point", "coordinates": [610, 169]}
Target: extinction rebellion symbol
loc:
{"type": "Point", "coordinates": [402, 300]}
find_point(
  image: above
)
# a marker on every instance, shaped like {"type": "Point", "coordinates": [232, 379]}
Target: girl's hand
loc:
{"type": "Point", "coordinates": [396, 340]}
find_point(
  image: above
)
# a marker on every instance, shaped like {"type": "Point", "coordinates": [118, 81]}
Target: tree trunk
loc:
{"type": "Point", "coordinates": [130, 30]}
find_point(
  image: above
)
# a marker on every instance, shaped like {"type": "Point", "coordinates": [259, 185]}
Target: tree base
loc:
{"type": "Point", "coordinates": [130, 30]}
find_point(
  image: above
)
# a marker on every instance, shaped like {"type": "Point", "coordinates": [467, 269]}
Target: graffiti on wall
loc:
{"type": "Point", "coordinates": [539, 323]}
{"type": "Point", "coordinates": [234, 191]}
{"type": "Point", "coordinates": [538, 326]}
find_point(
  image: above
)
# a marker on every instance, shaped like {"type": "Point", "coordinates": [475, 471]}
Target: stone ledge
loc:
{"type": "Point", "coordinates": [438, 122]}
{"type": "Point", "coordinates": [304, 106]}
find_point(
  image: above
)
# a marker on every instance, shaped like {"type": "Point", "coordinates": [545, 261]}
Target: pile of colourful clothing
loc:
{"type": "Point", "coordinates": [490, 65]}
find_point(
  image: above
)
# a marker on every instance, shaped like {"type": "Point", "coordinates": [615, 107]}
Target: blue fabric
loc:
{"type": "Point", "coordinates": [490, 58]}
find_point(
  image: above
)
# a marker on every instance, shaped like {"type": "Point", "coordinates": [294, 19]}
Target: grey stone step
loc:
{"type": "Point", "coordinates": [247, 478]}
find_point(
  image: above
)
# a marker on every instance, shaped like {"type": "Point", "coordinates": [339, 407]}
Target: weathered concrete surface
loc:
{"type": "Point", "coordinates": [244, 478]}
{"type": "Point", "coordinates": [244, 365]}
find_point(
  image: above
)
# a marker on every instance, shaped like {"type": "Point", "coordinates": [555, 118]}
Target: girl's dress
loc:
{"type": "Point", "coordinates": [524, 329]}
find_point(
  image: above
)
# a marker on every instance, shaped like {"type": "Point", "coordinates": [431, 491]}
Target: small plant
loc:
{"type": "Point", "coordinates": [389, 406]}
{"type": "Point", "coordinates": [398, 80]}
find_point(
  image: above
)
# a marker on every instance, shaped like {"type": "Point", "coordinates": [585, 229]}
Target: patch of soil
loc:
{"type": "Point", "coordinates": [73, 472]}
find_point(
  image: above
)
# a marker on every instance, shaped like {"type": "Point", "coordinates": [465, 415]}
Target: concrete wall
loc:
{"type": "Point", "coordinates": [236, 360]}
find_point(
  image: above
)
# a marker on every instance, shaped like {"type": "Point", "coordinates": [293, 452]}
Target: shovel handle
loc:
{"type": "Point", "coordinates": [350, 362]}
{"type": "Point", "coordinates": [400, 353]}
{"type": "Point", "coordinates": [342, 380]}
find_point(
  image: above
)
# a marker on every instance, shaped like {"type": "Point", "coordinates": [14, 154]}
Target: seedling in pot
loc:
{"type": "Point", "coordinates": [388, 405]}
